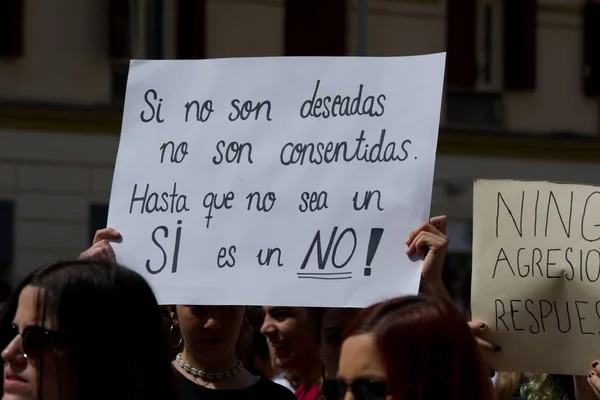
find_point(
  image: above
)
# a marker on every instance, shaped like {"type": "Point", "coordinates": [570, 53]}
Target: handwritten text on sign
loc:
{"type": "Point", "coordinates": [536, 277]}
{"type": "Point", "coordinates": [287, 181]}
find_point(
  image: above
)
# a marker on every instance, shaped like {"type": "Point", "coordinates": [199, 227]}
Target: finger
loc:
{"type": "Point", "coordinates": [594, 382]}
{"type": "Point", "coordinates": [111, 253]}
{"type": "Point", "coordinates": [487, 346]}
{"type": "Point", "coordinates": [596, 366]}
{"type": "Point", "coordinates": [439, 222]}
{"type": "Point", "coordinates": [415, 232]}
{"type": "Point", "coordinates": [595, 389]}
{"type": "Point", "coordinates": [415, 244]}
{"type": "Point", "coordinates": [106, 234]}
{"type": "Point", "coordinates": [422, 243]}
{"type": "Point", "coordinates": [426, 227]}
{"type": "Point", "coordinates": [427, 240]}
{"type": "Point", "coordinates": [477, 327]}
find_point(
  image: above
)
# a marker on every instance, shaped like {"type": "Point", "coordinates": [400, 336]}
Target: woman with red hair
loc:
{"type": "Point", "coordinates": [410, 348]}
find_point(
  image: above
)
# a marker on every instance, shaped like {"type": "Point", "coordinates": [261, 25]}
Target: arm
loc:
{"type": "Point", "coordinates": [435, 288]}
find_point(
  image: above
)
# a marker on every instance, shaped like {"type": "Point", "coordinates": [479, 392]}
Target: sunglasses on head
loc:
{"type": "Point", "coordinates": [34, 338]}
{"type": "Point", "coordinates": [361, 388]}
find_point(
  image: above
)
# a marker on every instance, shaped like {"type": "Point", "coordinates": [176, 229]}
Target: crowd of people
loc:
{"type": "Point", "coordinates": [91, 329]}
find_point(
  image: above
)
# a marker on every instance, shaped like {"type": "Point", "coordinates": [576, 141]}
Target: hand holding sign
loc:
{"type": "Point", "coordinates": [295, 174]}
{"type": "Point", "coordinates": [430, 240]}
{"type": "Point", "coordinates": [101, 248]}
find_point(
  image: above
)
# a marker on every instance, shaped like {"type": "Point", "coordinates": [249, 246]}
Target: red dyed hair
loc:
{"type": "Point", "coordinates": [427, 349]}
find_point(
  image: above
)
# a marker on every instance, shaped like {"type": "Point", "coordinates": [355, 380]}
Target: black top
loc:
{"type": "Point", "coordinates": [262, 389]}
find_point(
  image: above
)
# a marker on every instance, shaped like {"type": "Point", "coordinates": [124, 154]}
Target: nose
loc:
{"type": "Point", "coordinates": [13, 353]}
{"type": "Point", "coordinates": [348, 395]}
{"type": "Point", "coordinates": [267, 328]}
{"type": "Point", "coordinates": [212, 323]}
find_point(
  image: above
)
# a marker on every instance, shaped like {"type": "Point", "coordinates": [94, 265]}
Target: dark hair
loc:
{"type": "Point", "coordinates": [5, 291]}
{"type": "Point", "coordinates": [427, 348]}
{"type": "Point", "coordinates": [111, 323]}
{"type": "Point", "coordinates": [260, 348]}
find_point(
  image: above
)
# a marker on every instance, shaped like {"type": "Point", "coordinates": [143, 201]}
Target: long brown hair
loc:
{"type": "Point", "coordinates": [101, 310]}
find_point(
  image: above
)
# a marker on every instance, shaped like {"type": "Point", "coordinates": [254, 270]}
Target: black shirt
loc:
{"type": "Point", "coordinates": [261, 390]}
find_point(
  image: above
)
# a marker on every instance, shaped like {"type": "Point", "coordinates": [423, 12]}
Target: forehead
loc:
{"type": "Point", "coordinates": [27, 308]}
{"type": "Point", "coordinates": [360, 358]}
{"type": "Point", "coordinates": [298, 312]}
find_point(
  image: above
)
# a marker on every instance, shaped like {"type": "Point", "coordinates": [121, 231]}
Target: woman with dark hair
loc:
{"type": "Point", "coordinates": [84, 330]}
{"type": "Point", "coordinates": [207, 365]}
{"type": "Point", "coordinates": [295, 333]}
{"type": "Point", "coordinates": [410, 348]}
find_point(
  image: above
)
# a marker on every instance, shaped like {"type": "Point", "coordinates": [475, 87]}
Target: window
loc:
{"type": "Point", "coordinates": [520, 44]}
{"type": "Point", "coordinates": [191, 29]}
{"type": "Point", "coordinates": [491, 48]}
{"type": "Point", "coordinates": [11, 28]}
{"type": "Point", "coordinates": [98, 218]}
{"type": "Point", "coordinates": [466, 109]}
{"type": "Point", "coordinates": [315, 27]}
{"type": "Point", "coordinates": [6, 237]}
{"type": "Point", "coordinates": [136, 32]}
{"type": "Point", "coordinates": [461, 33]}
{"type": "Point", "coordinates": [472, 75]}
{"type": "Point", "coordinates": [591, 42]}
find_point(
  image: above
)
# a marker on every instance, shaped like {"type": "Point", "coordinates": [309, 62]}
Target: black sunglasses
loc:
{"type": "Point", "coordinates": [362, 389]}
{"type": "Point", "coordinates": [35, 339]}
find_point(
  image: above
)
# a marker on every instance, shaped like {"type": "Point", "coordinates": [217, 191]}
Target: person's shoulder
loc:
{"type": "Point", "coordinates": [274, 390]}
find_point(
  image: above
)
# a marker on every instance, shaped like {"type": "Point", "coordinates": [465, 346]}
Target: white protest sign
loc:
{"type": "Point", "coordinates": [536, 274]}
{"type": "Point", "coordinates": [282, 181]}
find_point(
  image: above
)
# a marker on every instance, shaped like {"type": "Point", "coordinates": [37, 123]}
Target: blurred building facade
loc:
{"type": "Point", "coordinates": [521, 93]}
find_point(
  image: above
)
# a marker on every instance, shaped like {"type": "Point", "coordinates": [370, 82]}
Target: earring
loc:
{"type": "Point", "coordinates": [180, 341]}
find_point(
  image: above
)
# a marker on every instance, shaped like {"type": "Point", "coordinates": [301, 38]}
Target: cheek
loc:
{"type": "Point", "coordinates": [189, 324]}
{"type": "Point", "coordinates": [189, 328]}
{"type": "Point", "coordinates": [289, 328]}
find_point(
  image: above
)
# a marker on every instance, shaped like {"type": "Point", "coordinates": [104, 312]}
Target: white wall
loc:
{"type": "Point", "coordinates": [53, 179]}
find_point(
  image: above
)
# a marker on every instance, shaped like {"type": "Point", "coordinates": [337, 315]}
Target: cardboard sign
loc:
{"type": "Point", "coordinates": [283, 181]}
{"type": "Point", "coordinates": [536, 273]}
